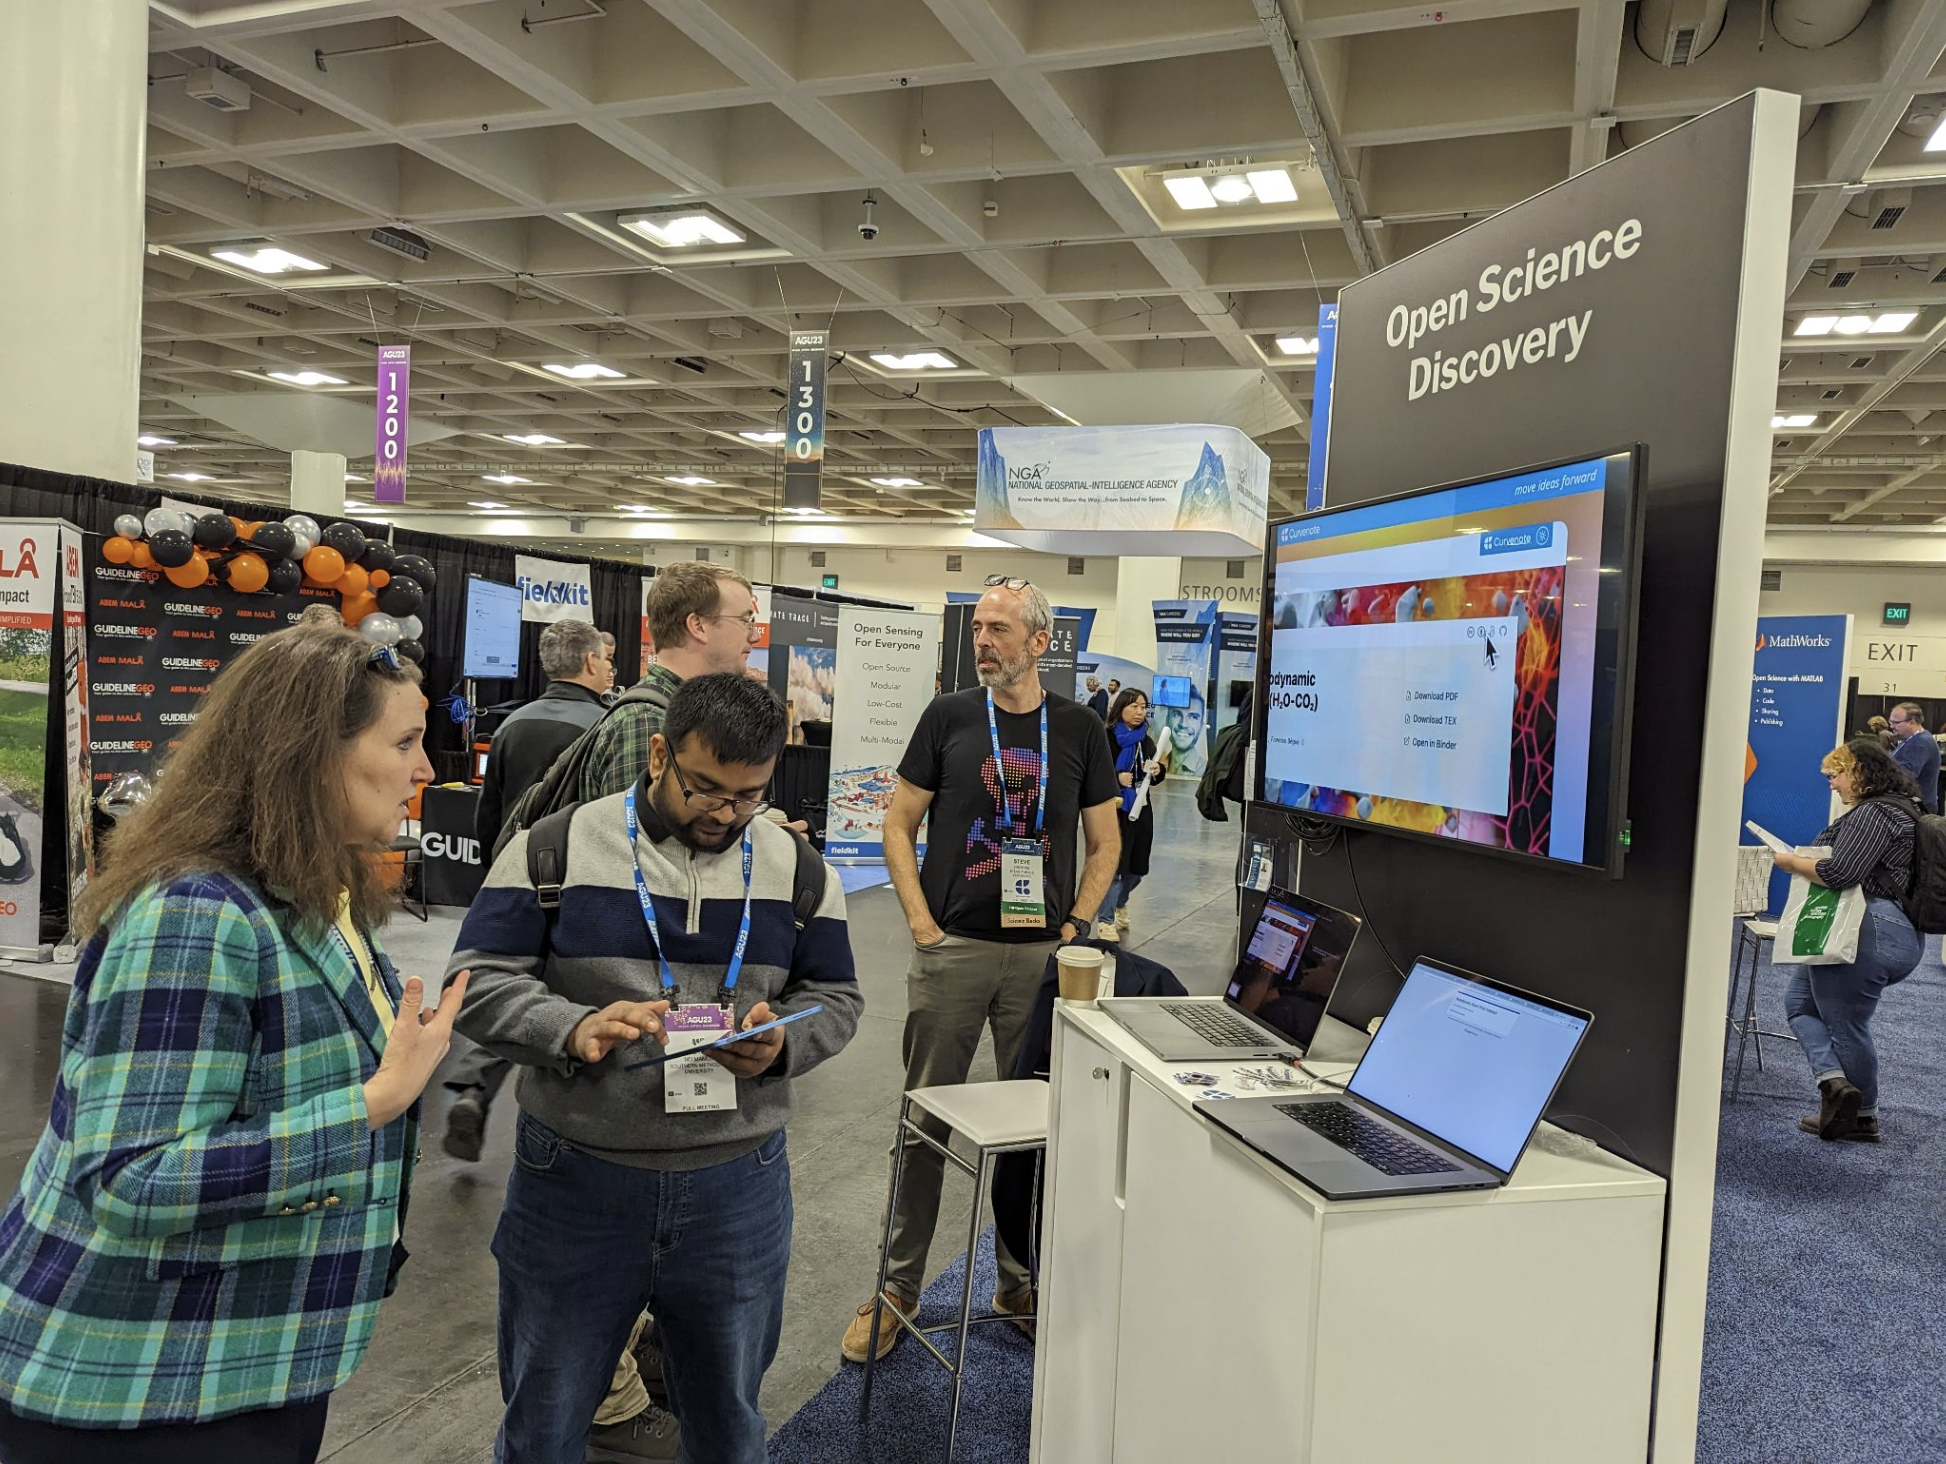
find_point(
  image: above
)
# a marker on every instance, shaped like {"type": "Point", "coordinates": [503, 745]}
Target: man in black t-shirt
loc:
{"type": "Point", "coordinates": [1001, 823]}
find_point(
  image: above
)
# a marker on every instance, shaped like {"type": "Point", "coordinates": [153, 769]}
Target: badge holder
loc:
{"type": "Point", "coordinates": [697, 1084]}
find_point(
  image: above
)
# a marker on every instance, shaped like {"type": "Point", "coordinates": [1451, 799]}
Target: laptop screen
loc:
{"type": "Point", "coordinates": [1291, 963]}
{"type": "Point", "coordinates": [1468, 1062]}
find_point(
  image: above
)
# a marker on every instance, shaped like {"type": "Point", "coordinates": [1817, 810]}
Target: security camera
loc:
{"type": "Point", "coordinates": [867, 230]}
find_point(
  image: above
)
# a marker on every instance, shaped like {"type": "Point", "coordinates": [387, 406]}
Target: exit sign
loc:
{"type": "Point", "coordinates": [1898, 614]}
{"type": "Point", "coordinates": [831, 583]}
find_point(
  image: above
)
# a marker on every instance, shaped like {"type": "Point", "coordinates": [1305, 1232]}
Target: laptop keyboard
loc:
{"type": "Point", "coordinates": [1384, 1148]}
{"type": "Point", "coordinates": [1215, 1022]}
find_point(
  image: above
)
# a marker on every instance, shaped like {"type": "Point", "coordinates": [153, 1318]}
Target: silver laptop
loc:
{"type": "Point", "coordinates": [1445, 1098]}
{"type": "Point", "coordinates": [1275, 999]}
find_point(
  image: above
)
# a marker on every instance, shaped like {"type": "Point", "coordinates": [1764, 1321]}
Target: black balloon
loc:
{"type": "Point", "coordinates": [412, 651]}
{"type": "Point", "coordinates": [378, 555]}
{"type": "Point", "coordinates": [412, 566]}
{"type": "Point", "coordinates": [274, 541]}
{"type": "Point", "coordinates": [346, 539]}
{"type": "Point", "coordinates": [171, 548]}
{"type": "Point", "coordinates": [286, 575]}
{"type": "Point", "coordinates": [213, 531]}
{"type": "Point", "coordinates": [402, 597]}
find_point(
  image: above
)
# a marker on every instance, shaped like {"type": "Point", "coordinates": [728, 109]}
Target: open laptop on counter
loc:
{"type": "Point", "coordinates": [1275, 998]}
{"type": "Point", "coordinates": [1446, 1096]}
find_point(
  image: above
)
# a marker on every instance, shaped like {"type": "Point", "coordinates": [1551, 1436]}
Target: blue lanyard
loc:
{"type": "Point", "coordinates": [1000, 770]}
{"type": "Point", "coordinates": [655, 934]}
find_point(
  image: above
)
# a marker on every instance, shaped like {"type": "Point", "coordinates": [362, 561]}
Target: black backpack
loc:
{"type": "Point", "coordinates": [1924, 902]}
{"type": "Point", "coordinates": [560, 786]}
{"type": "Point", "coordinates": [547, 867]}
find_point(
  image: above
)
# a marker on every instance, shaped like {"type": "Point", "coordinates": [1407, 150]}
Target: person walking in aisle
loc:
{"type": "Point", "coordinates": [580, 666]}
{"type": "Point", "coordinates": [194, 1260]}
{"type": "Point", "coordinates": [662, 1185]}
{"type": "Point", "coordinates": [1138, 770]}
{"type": "Point", "coordinates": [1097, 698]}
{"type": "Point", "coordinates": [1830, 1008]}
{"type": "Point", "coordinates": [1003, 773]}
{"type": "Point", "coordinates": [1915, 750]}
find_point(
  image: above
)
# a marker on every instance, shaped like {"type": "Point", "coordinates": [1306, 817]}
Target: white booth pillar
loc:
{"type": "Point", "coordinates": [1140, 582]}
{"type": "Point", "coordinates": [318, 484]}
{"type": "Point", "coordinates": [71, 192]}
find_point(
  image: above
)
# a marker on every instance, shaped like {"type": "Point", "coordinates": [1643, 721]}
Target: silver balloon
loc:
{"type": "Point", "coordinates": [157, 520]}
{"type": "Point", "coordinates": [305, 544]}
{"type": "Point", "coordinates": [380, 629]}
{"type": "Point", "coordinates": [304, 526]}
{"type": "Point", "coordinates": [128, 525]}
{"type": "Point", "coordinates": [411, 627]}
{"type": "Point", "coordinates": [125, 793]}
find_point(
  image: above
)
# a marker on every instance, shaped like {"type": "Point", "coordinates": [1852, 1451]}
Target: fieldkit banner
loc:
{"type": "Point", "coordinates": [389, 428]}
{"type": "Point", "coordinates": [1185, 648]}
{"type": "Point", "coordinates": [550, 590]}
{"type": "Point", "coordinates": [1176, 490]}
{"type": "Point", "coordinates": [1797, 715]}
{"type": "Point", "coordinates": [888, 659]}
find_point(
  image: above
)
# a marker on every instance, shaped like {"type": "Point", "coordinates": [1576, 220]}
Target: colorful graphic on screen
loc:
{"type": "Point", "coordinates": [1438, 661]}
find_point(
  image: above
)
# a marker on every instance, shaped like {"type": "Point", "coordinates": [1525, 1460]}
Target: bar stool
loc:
{"type": "Point", "coordinates": [994, 1118]}
{"type": "Point", "coordinates": [1751, 934]}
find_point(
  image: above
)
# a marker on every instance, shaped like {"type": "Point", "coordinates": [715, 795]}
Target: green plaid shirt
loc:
{"type": "Point", "coordinates": [620, 752]}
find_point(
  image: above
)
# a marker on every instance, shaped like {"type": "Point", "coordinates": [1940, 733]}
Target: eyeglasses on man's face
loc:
{"type": "Point", "coordinates": [712, 802]}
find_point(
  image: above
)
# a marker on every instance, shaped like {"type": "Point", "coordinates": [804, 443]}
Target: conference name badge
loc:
{"type": "Point", "coordinates": [697, 1084]}
{"type": "Point", "coordinates": [1023, 903]}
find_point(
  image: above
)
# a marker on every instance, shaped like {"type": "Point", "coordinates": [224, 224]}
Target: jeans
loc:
{"type": "Point", "coordinates": [1119, 889]}
{"type": "Point", "coordinates": [1830, 1007]}
{"type": "Point", "coordinates": [584, 1244]}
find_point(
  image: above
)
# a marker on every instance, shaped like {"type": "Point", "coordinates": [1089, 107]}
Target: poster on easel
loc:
{"type": "Point", "coordinates": [887, 660]}
{"type": "Point", "coordinates": [74, 697]}
{"type": "Point", "coordinates": [30, 557]}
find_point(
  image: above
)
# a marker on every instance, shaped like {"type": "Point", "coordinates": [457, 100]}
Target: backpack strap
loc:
{"type": "Point", "coordinates": [807, 887]}
{"type": "Point", "coordinates": [547, 857]}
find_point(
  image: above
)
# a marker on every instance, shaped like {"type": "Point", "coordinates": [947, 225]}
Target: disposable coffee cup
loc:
{"type": "Point", "coordinates": [1080, 972]}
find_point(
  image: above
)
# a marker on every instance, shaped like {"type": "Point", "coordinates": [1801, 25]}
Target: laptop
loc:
{"type": "Point", "coordinates": [1275, 999]}
{"type": "Point", "coordinates": [1445, 1098]}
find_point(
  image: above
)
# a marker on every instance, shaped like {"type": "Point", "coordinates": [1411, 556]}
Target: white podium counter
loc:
{"type": "Point", "coordinates": [1197, 1303]}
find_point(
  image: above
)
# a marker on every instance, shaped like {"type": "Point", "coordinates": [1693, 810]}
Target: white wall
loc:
{"type": "Point", "coordinates": [1210, 579]}
{"type": "Point", "coordinates": [1908, 661]}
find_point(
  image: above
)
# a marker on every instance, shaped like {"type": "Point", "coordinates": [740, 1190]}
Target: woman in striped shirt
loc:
{"type": "Point", "coordinates": [1831, 1007]}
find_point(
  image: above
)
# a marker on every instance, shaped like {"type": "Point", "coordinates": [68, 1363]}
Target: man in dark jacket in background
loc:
{"type": "Point", "coordinates": [580, 665]}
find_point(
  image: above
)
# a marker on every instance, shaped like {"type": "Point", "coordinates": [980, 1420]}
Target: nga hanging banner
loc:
{"type": "Point", "coordinates": [550, 590]}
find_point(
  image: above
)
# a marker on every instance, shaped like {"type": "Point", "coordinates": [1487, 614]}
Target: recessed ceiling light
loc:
{"type": "Point", "coordinates": [1189, 191]}
{"type": "Point", "coordinates": [308, 378]}
{"type": "Point", "coordinates": [898, 482]}
{"type": "Point", "coordinates": [1232, 188]}
{"type": "Point", "coordinates": [915, 361]}
{"type": "Point", "coordinates": [1853, 324]}
{"type": "Point", "coordinates": [1298, 345]}
{"type": "Point", "coordinates": [680, 231]}
{"type": "Point", "coordinates": [190, 477]}
{"type": "Point", "coordinates": [1783, 423]}
{"type": "Point", "coordinates": [531, 439]}
{"type": "Point", "coordinates": [761, 436]}
{"type": "Point", "coordinates": [1937, 142]}
{"type": "Point", "coordinates": [1815, 325]}
{"type": "Point", "coordinates": [690, 480]}
{"type": "Point", "coordinates": [1273, 185]}
{"type": "Point", "coordinates": [504, 478]}
{"type": "Point", "coordinates": [805, 512]}
{"type": "Point", "coordinates": [1893, 321]}
{"type": "Point", "coordinates": [585, 371]}
{"type": "Point", "coordinates": [266, 259]}
{"type": "Point", "coordinates": [484, 503]}
{"type": "Point", "coordinates": [149, 439]}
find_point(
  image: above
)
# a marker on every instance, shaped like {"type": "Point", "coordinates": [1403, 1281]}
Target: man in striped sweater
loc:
{"type": "Point", "coordinates": [668, 1184]}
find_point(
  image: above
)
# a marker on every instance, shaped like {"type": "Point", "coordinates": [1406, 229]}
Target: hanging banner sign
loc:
{"type": "Point", "coordinates": [550, 590]}
{"type": "Point", "coordinates": [388, 451]}
{"type": "Point", "coordinates": [888, 659]}
{"type": "Point", "coordinates": [804, 420]}
{"type": "Point", "coordinates": [1321, 406]}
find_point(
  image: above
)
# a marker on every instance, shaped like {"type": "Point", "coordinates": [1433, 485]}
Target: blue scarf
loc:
{"type": "Point", "coordinates": [1129, 742]}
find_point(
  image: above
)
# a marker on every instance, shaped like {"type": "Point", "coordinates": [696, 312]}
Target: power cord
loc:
{"type": "Point", "coordinates": [1351, 867]}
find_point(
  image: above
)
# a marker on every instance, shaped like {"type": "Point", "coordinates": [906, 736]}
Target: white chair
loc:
{"type": "Point", "coordinates": [1754, 866]}
{"type": "Point", "coordinates": [994, 1119]}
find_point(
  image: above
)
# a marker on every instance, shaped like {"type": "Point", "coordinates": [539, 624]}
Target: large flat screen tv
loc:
{"type": "Point", "coordinates": [490, 648]}
{"type": "Point", "coordinates": [1456, 662]}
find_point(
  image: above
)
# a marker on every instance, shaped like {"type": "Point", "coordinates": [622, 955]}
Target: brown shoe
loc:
{"type": "Point", "coordinates": [1020, 1306]}
{"type": "Point", "coordinates": [858, 1336]}
{"type": "Point", "coordinates": [1838, 1112]}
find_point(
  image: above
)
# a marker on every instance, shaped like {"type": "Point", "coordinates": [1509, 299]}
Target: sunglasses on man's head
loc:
{"type": "Point", "coordinates": [1014, 583]}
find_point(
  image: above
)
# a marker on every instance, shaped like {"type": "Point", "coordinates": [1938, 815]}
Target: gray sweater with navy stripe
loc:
{"type": "Point", "coordinates": [535, 978]}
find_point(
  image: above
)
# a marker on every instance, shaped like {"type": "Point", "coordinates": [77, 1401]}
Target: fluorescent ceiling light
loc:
{"type": "Point", "coordinates": [1298, 345]}
{"type": "Point", "coordinates": [1783, 423]}
{"type": "Point", "coordinates": [1189, 191]}
{"type": "Point", "coordinates": [898, 482]}
{"type": "Point", "coordinates": [484, 503]}
{"type": "Point", "coordinates": [149, 439]}
{"type": "Point", "coordinates": [353, 478]}
{"type": "Point", "coordinates": [307, 378]}
{"type": "Point", "coordinates": [690, 480]}
{"type": "Point", "coordinates": [267, 259]}
{"type": "Point", "coordinates": [1893, 321]}
{"type": "Point", "coordinates": [916, 361]}
{"type": "Point", "coordinates": [1853, 324]}
{"type": "Point", "coordinates": [585, 371]}
{"type": "Point", "coordinates": [761, 436]}
{"type": "Point", "coordinates": [1937, 142]}
{"type": "Point", "coordinates": [531, 439]}
{"type": "Point", "coordinates": [504, 478]}
{"type": "Point", "coordinates": [352, 505]}
{"type": "Point", "coordinates": [805, 512]}
{"type": "Point", "coordinates": [1815, 325]}
{"type": "Point", "coordinates": [680, 231]}
{"type": "Point", "coordinates": [1273, 185]}
{"type": "Point", "coordinates": [1232, 188]}
{"type": "Point", "coordinates": [190, 477]}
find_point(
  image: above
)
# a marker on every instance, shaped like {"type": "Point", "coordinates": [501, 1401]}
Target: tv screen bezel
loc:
{"type": "Point", "coordinates": [1616, 612]}
{"type": "Point", "coordinates": [466, 627]}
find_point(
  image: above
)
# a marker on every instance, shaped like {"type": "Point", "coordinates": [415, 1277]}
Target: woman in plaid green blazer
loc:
{"type": "Point", "coordinates": [196, 1254]}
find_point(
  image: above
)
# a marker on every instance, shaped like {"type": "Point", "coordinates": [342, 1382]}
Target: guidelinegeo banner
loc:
{"type": "Point", "coordinates": [1123, 490]}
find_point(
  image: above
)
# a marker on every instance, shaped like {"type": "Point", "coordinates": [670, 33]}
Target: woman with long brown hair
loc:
{"type": "Point", "coordinates": [195, 1256]}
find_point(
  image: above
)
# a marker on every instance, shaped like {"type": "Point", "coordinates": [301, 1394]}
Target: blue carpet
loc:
{"type": "Point", "coordinates": [1826, 1339]}
{"type": "Point", "coordinates": [856, 877]}
{"type": "Point", "coordinates": [911, 1393]}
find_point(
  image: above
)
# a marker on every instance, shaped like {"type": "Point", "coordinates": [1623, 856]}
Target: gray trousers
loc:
{"type": "Point", "coordinates": [478, 1068]}
{"type": "Point", "coordinates": [953, 990]}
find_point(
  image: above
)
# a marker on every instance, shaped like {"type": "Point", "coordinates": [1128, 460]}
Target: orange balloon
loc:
{"type": "Point", "coordinates": [353, 582]}
{"type": "Point", "coordinates": [381, 578]}
{"type": "Point", "coordinates": [358, 607]}
{"type": "Point", "coordinates": [324, 564]}
{"type": "Point", "coordinates": [139, 556]}
{"type": "Point", "coordinates": [248, 574]}
{"type": "Point", "coordinates": [117, 550]}
{"type": "Point", "coordinates": [189, 574]}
